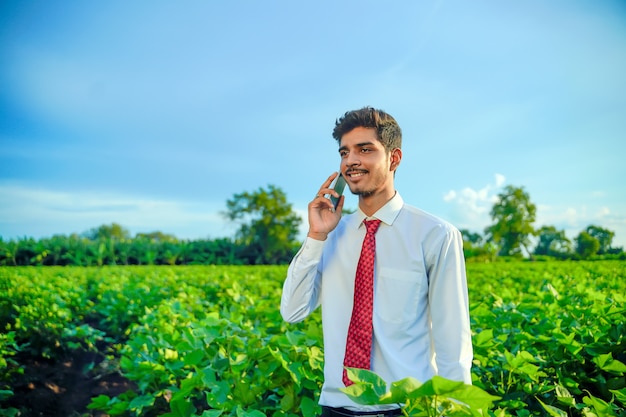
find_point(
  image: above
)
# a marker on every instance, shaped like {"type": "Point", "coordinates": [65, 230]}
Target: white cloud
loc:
{"type": "Point", "coordinates": [500, 179]}
{"type": "Point", "coordinates": [450, 196]}
{"type": "Point", "coordinates": [470, 207]}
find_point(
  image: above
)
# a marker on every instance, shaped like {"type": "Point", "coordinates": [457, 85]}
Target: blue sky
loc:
{"type": "Point", "coordinates": [152, 114]}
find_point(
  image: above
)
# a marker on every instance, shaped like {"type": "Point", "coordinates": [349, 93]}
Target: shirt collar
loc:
{"type": "Point", "coordinates": [387, 213]}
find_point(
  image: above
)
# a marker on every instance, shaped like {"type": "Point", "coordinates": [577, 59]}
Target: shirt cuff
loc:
{"type": "Point", "coordinates": [312, 248]}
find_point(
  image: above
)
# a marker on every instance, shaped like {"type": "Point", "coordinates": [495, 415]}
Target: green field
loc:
{"type": "Point", "coordinates": [549, 338]}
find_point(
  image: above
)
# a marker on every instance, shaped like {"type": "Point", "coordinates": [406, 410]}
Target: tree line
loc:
{"type": "Point", "coordinates": [268, 230]}
{"type": "Point", "coordinates": [513, 234]}
{"type": "Point", "coordinates": [267, 234]}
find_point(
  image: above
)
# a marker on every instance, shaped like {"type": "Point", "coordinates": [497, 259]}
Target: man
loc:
{"type": "Point", "coordinates": [420, 319]}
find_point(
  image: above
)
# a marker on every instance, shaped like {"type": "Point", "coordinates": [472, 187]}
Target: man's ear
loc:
{"type": "Point", "coordinates": [395, 157]}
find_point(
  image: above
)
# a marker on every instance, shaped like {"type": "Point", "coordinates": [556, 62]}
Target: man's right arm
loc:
{"type": "Point", "coordinates": [301, 290]}
{"type": "Point", "coordinates": [302, 286]}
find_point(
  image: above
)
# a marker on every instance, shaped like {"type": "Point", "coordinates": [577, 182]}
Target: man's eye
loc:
{"type": "Point", "coordinates": [365, 150]}
{"type": "Point", "coordinates": [342, 153]}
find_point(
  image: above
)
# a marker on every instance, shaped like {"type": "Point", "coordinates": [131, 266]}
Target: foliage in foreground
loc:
{"type": "Point", "coordinates": [436, 397]}
{"type": "Point", "coordinates": [549, 338]}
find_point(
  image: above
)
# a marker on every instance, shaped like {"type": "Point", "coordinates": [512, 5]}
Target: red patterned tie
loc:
{"type": "Point", "coordinates": [359, 342]}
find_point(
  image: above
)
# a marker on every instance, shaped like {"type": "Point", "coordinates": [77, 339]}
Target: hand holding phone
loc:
{"type": "Point", "coordinates": [323, 218]}
{"type": "Point", "coordinates": [340, 185]}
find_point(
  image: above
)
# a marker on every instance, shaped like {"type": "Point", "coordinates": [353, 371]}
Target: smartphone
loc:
{"type": "Point", "coordinates": [340, 184]}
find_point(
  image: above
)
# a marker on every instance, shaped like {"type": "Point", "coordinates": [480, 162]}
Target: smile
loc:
{"type": "Point", "coordinates": [355, 174]}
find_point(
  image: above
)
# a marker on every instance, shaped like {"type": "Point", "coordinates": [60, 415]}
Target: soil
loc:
{"type": "Point", "coordinates": [65, 387]}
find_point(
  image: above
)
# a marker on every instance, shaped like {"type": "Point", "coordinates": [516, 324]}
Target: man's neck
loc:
{"type": "Point", "coordinates": [371, 204]}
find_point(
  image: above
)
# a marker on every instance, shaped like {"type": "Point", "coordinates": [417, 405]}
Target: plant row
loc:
{"type": "Point", "coordinates": [209, 340]}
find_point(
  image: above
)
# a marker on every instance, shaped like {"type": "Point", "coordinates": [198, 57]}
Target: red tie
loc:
{"type": "Point", "coordinates": [359, 342]}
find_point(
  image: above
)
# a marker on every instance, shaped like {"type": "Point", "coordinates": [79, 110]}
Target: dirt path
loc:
{"type": "Point", "coordinates": [64, 388]}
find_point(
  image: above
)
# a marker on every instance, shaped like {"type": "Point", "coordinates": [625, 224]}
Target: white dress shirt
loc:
{"type": "Point", "coordinates": [421, 308]}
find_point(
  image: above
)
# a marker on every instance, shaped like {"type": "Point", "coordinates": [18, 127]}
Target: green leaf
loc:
{"type": "Point", "coordinates": [218, 396]}
{"type": "Point", "coordinates": [608, 364]}
{"type": "Point", "coordinates": [211, 413]}
{"type": "Point", "coordinates": [367, 388]}
{"type": "Point", "coordinates": [434, 386]}
{"type": "Point", "coordinates": [443, 385]}
{"type": "Point", "coordinates": [620, 395]}
{"type": "Point", "coordinates": [243, 413]}
{"type": "Point", "coordinates": [138, 403]}
{"type": "Point", "coordinates": [100, 402]}
{"type": "Point", "coordinates": [361, 393]}
{"type": "Point", "coordinates": [316, 357]}
{"type": "Point", "coordinates": [475, 397]}
{"type": "Point", "coordinates": [186, 387]}
{"type": "Point", "coordinates": [126, 363]}
{"type": "Point", "coordinates": [551, 410]}
{"type": "Point", "coordinates": [366, 376]}
{"type": "Point", "coordinates": [118, 408]}
{"type": "Point", "coordinates": [289, 399]}
{"type": "Point", "coordinates": [207, 375]}
{"type": "Point", "coordinates": [601, 407]}
{"type": "Point", "coordinates": [5, 393]}
{"type": "Point", "coordinates": [194, 358]}
{"type": "Point", "coordinates": [400, 390]}
{"type": "Point", "coordinates": [309, 407]}
{"type": "Point", "coordinates": [181, 407]}
{"type": "Point", "coordinates": [563, 396]}
{"type": "Point", "coordinates": [281, 358]}
{"type": "Point", "coordinates": [170, 355]}
{"type": "Point", "coordinates": [294, 338]}
{"type": "Point", "coordinates": [484, 339]}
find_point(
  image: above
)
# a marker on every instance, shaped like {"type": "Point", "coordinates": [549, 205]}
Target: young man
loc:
{"type": "Point", "coordinates": [418, 322]}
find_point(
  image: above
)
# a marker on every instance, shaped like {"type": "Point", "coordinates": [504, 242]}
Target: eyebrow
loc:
{"type": "Point", "coordinates": [358, 145]}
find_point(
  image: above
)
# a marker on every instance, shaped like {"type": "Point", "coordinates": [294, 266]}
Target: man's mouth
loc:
{"type": "Point", "coordinates": [355, 174]}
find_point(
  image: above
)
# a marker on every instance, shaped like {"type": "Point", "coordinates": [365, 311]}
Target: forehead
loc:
{"type": "Point", "coordinates": [359, 136]}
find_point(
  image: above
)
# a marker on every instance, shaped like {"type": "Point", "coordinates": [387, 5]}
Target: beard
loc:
{"type": "Point", "coordinates": [375, 182]}
{"type": "Point", "coordinates": [363, 193]}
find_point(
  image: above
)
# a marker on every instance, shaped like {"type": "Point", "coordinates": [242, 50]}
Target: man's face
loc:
{"type": "Point", "coordinates": [365, 164]}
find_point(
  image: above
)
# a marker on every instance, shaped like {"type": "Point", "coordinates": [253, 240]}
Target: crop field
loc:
{"type": "Point", "coordinates": [549, 340]}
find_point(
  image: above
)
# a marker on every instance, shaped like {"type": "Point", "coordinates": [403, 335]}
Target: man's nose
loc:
{"type": "Point", "coordinates": [351, 160]}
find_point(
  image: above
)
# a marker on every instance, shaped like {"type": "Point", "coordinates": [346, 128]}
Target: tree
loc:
{"type": "Point", "coordinates": [268, 225]}
{"type": "Point", "coordinates": [56, 247]}
{"type": "Point", "coordinates": [211, 252]}
{"type": "Point", "coordinates": [8, 252]}
{"type": "Point", "coordinates": [122, 251]}
{"type": "Point", "coordinates": [586, 245]}
{"type": "Point", "coordinates": [553, 242]}
{"type": "Point", "coordinates": [474, 246]}
{"type": "Point", "coordinates": [170, 252]}
{"type": "Point", "coordinates": [27, 251]}
{"type": "Point", "coordinates": [113, 231]}
{"type": "Point", "coordinates": [143, 251]}
{"type": "Point", "coordinates": [78, 252]}
{"type": "Point", "coordinates": [472, 238]}
{"type": "Point", "coordinates": [158, 237]}
{"type": "Point", "coordinates": [604, 237]}
{"type": "Point", "coordinates": [106, 238]}
{"type": "Point", "coordinates": [514, 215]}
